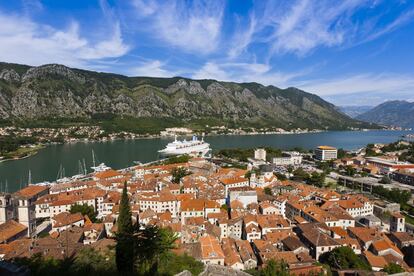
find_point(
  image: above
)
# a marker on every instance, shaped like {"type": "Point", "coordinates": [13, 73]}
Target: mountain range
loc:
{"type": "Point", "coordinates": [56, 93]}
{"type": "Point", "coordinates": [354, 110]}
{"type": "Point", "coordinates": [391, 113]}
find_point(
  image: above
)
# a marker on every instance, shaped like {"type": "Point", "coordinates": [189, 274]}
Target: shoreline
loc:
{"type": "Point", "coordinates": [32, 153]}
{"type": "Point", "coordinates": [158, 136]}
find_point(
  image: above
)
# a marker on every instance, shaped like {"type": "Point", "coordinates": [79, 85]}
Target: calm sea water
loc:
{"type": "Point", "coordinates": [118, 154]}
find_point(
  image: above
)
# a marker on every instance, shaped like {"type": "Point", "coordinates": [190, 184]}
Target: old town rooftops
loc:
{"type": "Point", "coordinates": [210, 248]}
{"type": "Point", "coordinates": [65, 218]}
{"type": "Point", "coordinates": [108, 174]}
{"type": "Point", "coordinates": [10, 229]}
{"type": "Point", "coordinates": [31, 191]}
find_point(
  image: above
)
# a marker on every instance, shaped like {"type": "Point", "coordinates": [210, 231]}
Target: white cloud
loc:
{"type": "Point", "coordinates": [364, 83]}
{"type": "Point", "coordinates": [362, 89]}
{"type": "Point", "coordinates": [193, 27]}
{"type": "Point", "coordinates": [303, 25]}
{"type": "Point", "coordinates": [28, 42]}
{"type": "Point", "coordinates": [246, 72]}
{"type": "Point", "coordinates": [242, 38]}
{"type": "Point", "coordinates": [153, 68]}
{"type": "Point", "coordinates": [145, 7]}
{"type": "Point", "coordinates": [211, 70]}
{"type": "Point", "coordinates": [398, 22]}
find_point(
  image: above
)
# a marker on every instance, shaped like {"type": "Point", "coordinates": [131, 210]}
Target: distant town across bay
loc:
{"type": "Point", "coordinates": [46, 165]}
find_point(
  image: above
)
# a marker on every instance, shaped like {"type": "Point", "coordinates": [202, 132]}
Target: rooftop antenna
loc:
{"type": "Point", "coordinates": [6, 188]}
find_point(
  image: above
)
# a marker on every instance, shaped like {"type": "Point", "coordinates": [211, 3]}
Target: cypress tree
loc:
{"type": "Point", "coordinates": [125, 244]}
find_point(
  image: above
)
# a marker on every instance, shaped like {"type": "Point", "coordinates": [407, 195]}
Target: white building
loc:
{"type": "Point", "coordinates": [397, 223]}
{"type": "Point", "coordinates": [6, 208]}
{"type": "Point", "coordinates": [176, 131]}
{"type": "Point", "coordinates": [158, 202]}
{"type": "Point", "coordinates": [233, 182]}
{"type": "Point", "coordinates": [260, 154]}
{"type": "Point", "coordinates": [280, 203]}
{"type": "Point", "coordinates": [26, 209]}
{"type": "Point", "coordinates": [243, 195]}
{"type": "Point", "coordinates": [290, 158]}
{"type": "Point", "coordinates": [263, 180]}
{"type": "Point", "coordinates": [325, 153]}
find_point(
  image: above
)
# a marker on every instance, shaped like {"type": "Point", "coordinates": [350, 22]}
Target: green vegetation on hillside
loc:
{"type": "Point", "coordinates": [394, 195]}
{"type": "Point", "coordinates": [146, 105]}
{"type": "Point", "coordinates": [178, 173]}
{"type": "Point", "coordinates": [271, 268]}
{"type": "Point", "coordinates": [89, 261]}
{"type": "Point", "coordinates": [85, 210]}
{"type": "Point", "coordinates": [344, 258]}
{"type": "Point", "coordinates": [393, 268]}
{"type": "Point", "coordinates": [9, 143]}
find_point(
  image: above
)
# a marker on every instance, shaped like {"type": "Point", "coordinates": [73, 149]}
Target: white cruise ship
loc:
{"type": "Point", "coordinates": [193, 147]}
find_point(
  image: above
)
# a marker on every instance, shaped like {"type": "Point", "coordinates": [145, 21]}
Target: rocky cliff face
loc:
{"type": "Point", "coordinates": [56, 91]}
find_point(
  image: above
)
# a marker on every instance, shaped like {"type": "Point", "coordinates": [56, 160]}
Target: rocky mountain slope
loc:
{"type": "Point", "coordinates": [391, 113]}
{"type": "Point", "coordinates": [57, 92]}
{"type": "Point", "coordinates": [354, 111]}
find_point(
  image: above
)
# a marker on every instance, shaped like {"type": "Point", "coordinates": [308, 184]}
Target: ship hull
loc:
{"type": "Point", "coordinates": [190, 151]}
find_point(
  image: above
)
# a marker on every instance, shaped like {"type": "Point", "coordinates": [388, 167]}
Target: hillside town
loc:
{"type": "Point", "coordinates": [233, 216]}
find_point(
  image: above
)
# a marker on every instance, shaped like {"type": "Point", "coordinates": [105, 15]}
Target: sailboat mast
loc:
{"type": "Point", "coordinates": [84, 166]}
{"type": "Point", "coordinates": [80, 169]}
{"type": "Point", "coordinates": [93, 158]}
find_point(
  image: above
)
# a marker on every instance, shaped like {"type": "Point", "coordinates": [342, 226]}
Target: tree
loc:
{"type": "Point", "coordinates": [385, 180]}
{"type": "Point", "coordinates": [172, 264]}
{"type": "Point", "coordinates": [272, 268]}
{"type": "Point", "coordinates": [393, 268]}
{"type": "Point", "coordinates": [268, 191]}
{"type": "Point", "coordinates": [300, 175]}
{"type": "Point", "coordinates": [316, 179]}
{"type": "Point", "coordinates": [151, 245]}
{"type": "Point", "coordinates": [224, 207]}
{"type": "Point", "coordinates": [344, 258]}
{"type": "Point", "coordinates": [40, 265]}
{"type": "Point", "coordinates": [124, 236]}
{"type": "Point", "coordinates": [350, 171]}
{"type": "Point", "coordinates": [93, 262]}
{"type": "Point", "coordinates": [84, 209]}
{"type": "Point", "coordinates": [394, 195]}
{"type": "Point", "coordinates": [325, 166]}
{"type": "Point", "coordinates": [178, 173]}
{"type": "Point", "coordinates": [341, 153]}
{"type": "Point", "coordinates": [280, 176]}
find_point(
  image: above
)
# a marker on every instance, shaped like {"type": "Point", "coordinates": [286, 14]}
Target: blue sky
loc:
{"type": "Point", "coordinates": [350, 52]}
